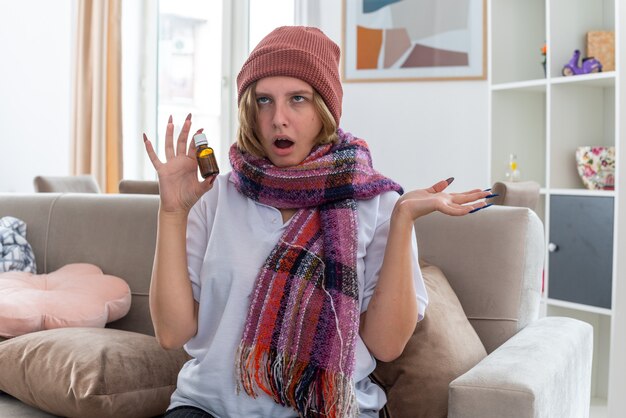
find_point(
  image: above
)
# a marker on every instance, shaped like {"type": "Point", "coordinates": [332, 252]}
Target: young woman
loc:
{"type": "Point", "coordinates": [285, 278]}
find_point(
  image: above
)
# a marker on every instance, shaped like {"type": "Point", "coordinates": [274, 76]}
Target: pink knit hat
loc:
{"type": "Point", "coordinates": [300, 52]}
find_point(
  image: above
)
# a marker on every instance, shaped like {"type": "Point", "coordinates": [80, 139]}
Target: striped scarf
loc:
{"type": "Point", "coordinates": [299, 339]}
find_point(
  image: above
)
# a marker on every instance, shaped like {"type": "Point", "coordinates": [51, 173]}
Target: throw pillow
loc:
{"type": "Point", "coordinates": [16, 254]}
{"type": "Point", "coordinates": [443, 346]}
{"type": "Point", "coordinates": [76, 295]}
{"type": "Point", "coordinates": [90, 372]}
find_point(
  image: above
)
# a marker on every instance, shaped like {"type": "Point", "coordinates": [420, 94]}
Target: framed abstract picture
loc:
{"type": "Point", "coordinates": [404, 40]}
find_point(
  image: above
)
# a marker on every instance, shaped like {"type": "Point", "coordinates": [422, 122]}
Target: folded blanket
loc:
{"type": "Point", "coordinates": [16, 254]}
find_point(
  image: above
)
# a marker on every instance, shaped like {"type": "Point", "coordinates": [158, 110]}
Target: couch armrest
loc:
{"type": "Point", "coordinates": [542, 371]}
{"type": "Point", "coordinates": [493, 260]}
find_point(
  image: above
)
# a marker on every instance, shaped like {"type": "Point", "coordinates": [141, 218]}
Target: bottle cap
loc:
{"type": "Point", "coordinates": [200, 139]}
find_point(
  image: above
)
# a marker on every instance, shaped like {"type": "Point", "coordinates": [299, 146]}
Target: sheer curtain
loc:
{"type": "Point", "coordinates": [97, 124]}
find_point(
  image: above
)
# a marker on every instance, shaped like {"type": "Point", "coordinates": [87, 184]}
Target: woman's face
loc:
{"type": "Point", "coordinates": [288, 123]}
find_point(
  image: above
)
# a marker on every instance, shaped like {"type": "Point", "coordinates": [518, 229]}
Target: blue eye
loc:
{"type": "Point", "coordinates": [262, 100]}
{"type": "Point", "coordinates": [299, 99]}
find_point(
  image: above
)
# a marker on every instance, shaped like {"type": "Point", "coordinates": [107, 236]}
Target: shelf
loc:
{"type": "Point", "coordinates": [576, 192]}
{"type": "Point", "coordinates": [569, 22]}
{"type": "Point", "coordinates": [580, 192]}
{"type": "Point", "coordinates": [518, 126]}
{"type": "Point", "coordinates": [544, 117]}
{"type": "Point", "coordinates": [581, 113]}
{"type": "Point", "coordinates": [529, 85]}
{"type": "Point", "coordinates": [593, 80]}
{"type": "Point", "coordinates": [578, 307]}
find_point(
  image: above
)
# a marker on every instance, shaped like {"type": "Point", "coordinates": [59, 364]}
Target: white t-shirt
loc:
{"type": "Point", "coordinates": [228, 239]}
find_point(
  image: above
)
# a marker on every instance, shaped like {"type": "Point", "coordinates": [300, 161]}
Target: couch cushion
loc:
{"type": "Point", "coordinates": [76, 295]}
{"type": "Point", "coordinates": [443, 347]}
{"type": "Point", "coordinates": [66, 184]}
{"type": "Point", "coordinates": [16, 254]}
{"type": "Point", "coordinates": [493, 260]}
{"type": "Point", "coordinates": [90, 372]}
{"type": "Point", "coordinates": [109, 230]}
{"type": "Point", "coordinates": [139, 186]}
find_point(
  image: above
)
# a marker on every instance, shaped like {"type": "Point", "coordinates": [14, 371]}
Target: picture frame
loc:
{"type": "Point", "coordinates": [414, 40]}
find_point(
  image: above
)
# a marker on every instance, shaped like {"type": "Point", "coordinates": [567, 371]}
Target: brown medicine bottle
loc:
{"type": "Point", "coordinates": [207, 164]}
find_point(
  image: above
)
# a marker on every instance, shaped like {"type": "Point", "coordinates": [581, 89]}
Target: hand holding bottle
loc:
{"type": "Point", "coordinates": [179, 187]}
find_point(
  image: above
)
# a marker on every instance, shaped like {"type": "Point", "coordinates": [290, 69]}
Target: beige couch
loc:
{"type": "Point", "coordinates": [493, 259]}
{"type": "Point", "coordinates": [114, 232]}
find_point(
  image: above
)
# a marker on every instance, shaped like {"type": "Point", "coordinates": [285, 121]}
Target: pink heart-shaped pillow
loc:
{"type": "Point", "coordinates": [76, 295]}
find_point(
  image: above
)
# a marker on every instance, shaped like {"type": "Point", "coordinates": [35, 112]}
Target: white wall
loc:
{"type": "Point", "coordinates": [419, 132]}
{"type": "Point", "coordinates": [35, 91]}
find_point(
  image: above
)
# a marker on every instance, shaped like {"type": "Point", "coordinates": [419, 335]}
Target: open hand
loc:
{"type": "Point", "coordinates": [421, 202]}
{"type": "Point", "coordinates": [179, 186]}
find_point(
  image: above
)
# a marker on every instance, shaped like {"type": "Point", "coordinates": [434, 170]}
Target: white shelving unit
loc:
{"type": "Point", "coordinates": [542, 117]}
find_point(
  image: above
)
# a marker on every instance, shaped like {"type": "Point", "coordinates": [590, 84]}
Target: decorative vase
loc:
{"type": "Point", "coordinates": [596, 167]}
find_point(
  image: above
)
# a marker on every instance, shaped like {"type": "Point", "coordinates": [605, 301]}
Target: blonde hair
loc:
{"type": "Point", "coordinates": [247, 138]}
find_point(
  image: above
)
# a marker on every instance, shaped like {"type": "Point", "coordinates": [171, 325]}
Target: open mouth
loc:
{"type": "Point", "coordinates": [283, 143]}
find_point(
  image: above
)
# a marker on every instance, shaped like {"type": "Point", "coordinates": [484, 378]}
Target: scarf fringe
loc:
{"type": "Point", "coordinates": [312, 391]}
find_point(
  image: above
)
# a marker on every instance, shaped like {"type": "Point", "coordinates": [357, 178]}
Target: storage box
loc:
{"type": "Point", "coordinates": [601, 46]}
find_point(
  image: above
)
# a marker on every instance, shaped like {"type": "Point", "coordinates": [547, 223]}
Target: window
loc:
{"type": "Point", "coordinates": [190, 67]}
{"type": "Point", "coordinates": [177, 56]}
{"type": "Point", "coordinates": [265, 16]}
